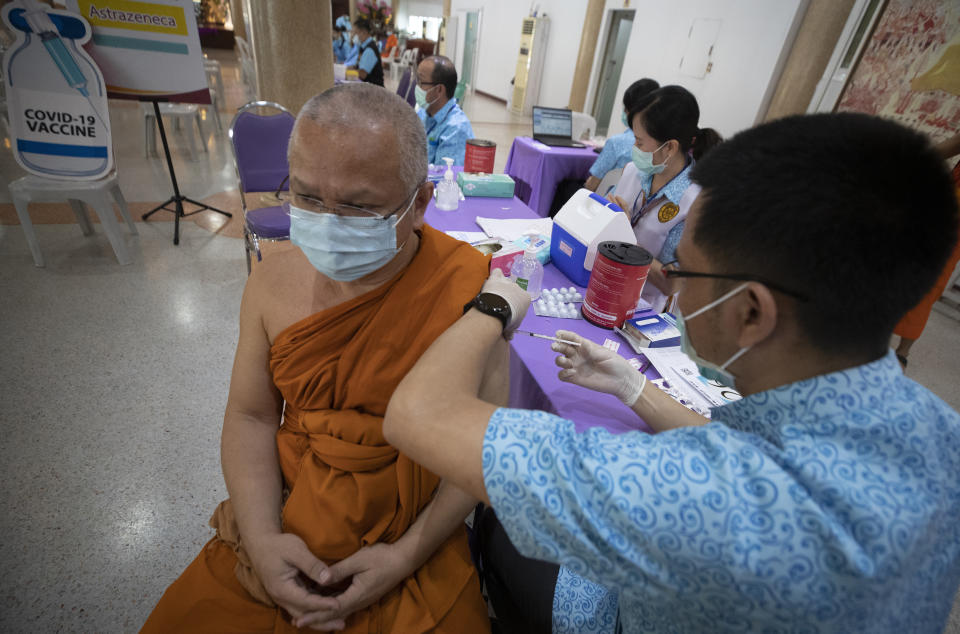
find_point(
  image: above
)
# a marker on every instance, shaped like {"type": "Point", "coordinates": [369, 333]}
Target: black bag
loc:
{"type": "Point", "coordinates": [565, 190]}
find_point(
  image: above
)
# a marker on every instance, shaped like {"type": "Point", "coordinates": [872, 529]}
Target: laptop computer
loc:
{"type": "Point", "coordinates": [554, 126]}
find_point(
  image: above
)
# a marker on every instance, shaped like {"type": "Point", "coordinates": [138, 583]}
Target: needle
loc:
{"type": "Point", "coordinates": [548, 337]}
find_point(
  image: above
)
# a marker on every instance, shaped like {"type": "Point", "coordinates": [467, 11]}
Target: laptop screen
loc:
{"type": "Point", "coordinates": [552, 122]}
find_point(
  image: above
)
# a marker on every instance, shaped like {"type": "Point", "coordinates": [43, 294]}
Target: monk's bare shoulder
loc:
{"type": "Point", "coordinates": [282, 290]}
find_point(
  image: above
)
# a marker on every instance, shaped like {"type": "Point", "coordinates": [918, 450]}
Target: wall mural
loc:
{"type": "Point", "coordinates": [910, 69]}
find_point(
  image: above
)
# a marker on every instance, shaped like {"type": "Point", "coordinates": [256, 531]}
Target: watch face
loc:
{"type": "Point", "coordinates": [494, 305]}
{"type": "Point", "coordinates": [494, 301]}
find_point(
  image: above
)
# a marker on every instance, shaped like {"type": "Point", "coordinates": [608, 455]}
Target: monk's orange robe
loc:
{"type": "Point", "coordinates": [347, 487]}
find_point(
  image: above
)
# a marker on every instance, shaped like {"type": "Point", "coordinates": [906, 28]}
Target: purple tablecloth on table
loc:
{"type": "Point", "coordinates": [533, 373]}
{"type": "Point", "coordinates": [538, 169]}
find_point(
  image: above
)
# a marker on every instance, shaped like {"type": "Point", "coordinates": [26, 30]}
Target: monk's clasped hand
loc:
{"type": "Point", "coordinates": [372, 572]}
{"type": "Point", "coordinates": [282, 561]}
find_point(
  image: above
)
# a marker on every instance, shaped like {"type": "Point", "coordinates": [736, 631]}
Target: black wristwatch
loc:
{"type": "Point", "coordinates": [490, 304]}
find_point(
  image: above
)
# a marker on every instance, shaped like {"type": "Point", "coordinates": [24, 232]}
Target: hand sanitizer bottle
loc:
{"type": "Point", "coordinates": [448, 192]}
{"type": "Point", "coordinates": [527, 269]}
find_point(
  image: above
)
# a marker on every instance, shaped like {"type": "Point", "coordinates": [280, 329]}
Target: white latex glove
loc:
{"type": "Point", "coordinates": [594, 367]}
{"type": "Point", "coordinates": [518, 298]}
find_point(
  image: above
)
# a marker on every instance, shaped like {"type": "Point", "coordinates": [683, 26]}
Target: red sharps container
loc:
{"type": "Point", "coordinates": [616, 282]}
{"type": "Point", "coordinates": [479, 157]}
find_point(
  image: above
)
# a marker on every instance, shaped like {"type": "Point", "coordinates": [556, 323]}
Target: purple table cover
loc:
{"type": "Point", "coordinates": [533, 373]}
{"type": "Point", "coordinates": [538, 169]}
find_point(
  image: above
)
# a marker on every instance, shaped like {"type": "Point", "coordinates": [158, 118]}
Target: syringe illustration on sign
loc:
{"type": "Point", "coordinates": [56, 96]}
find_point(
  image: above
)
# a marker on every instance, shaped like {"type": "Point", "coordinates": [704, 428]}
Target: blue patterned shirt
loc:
{"type": "Point", "coordinates": [617, 152]}
{"type": "Point", "coordinates": [447, 133]}
{"type": "Point", "coordinates": [830, 504]}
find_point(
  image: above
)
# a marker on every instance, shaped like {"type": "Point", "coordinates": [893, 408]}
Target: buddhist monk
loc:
{"type": "Point", "coordinates": [327, 526]}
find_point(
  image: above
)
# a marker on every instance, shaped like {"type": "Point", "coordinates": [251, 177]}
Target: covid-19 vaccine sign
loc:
{"type": "Point", "coordinates": [147, 49]}
{"type": "Point", "coordinates": [56, 95]}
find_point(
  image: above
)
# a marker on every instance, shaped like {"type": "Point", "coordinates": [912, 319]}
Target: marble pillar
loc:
{"type": "Point", "coordinates": [293, 48]}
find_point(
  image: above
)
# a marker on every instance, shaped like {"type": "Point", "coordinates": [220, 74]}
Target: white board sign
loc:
{"type": "Point", "coordinates": [147, 50]}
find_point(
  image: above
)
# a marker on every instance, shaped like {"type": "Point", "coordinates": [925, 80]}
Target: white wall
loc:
{"type": "Point", "coordinates": [754, 38]}
{"type": "Point", "coordinates": [500, 45]}
{"type": "Point", "coordinates": [425, 8]}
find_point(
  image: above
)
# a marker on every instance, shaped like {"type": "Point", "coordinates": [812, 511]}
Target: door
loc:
{"type": "Point", "coordinates": [853, 39]}
{"type": "Point", "coordinates": [471, 35]}
{"type": "Point", "coordinates": [621, 23]}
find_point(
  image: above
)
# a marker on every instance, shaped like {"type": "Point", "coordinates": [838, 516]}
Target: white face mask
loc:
{"type": "Point", "coordinates": [345, 248]}
{"type": "Point", "coordinates": [709, 369]}
{"type": "Point", "coordinates": [643, 161]}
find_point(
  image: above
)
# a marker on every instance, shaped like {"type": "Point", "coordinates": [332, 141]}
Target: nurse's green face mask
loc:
{"type": "Point", "coordinates": [643, 161]}
{"type": "Point", "coordinates": [709, 369]}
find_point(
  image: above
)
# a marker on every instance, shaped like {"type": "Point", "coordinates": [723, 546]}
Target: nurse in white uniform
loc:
{"type": "Point", "coordinates": [655, 189]}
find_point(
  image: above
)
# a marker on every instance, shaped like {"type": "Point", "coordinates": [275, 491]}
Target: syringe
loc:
{"type": "Point", "coordinates": [35, 15]}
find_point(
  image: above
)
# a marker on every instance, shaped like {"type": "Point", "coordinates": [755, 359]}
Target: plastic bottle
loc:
{"type": "Point", "coordinates": [448, 192]}
{"type": "Point", "coordinates": [527, 269]}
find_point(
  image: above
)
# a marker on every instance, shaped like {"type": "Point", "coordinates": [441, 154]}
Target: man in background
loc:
{"type": "Point", "coordinates": [448, 128]}
{"type": "Point", "coordinates": [369, 64]}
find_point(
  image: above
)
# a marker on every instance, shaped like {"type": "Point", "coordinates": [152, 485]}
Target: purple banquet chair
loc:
{"type": "Point", "coordinates": [404, 88]}
{"type": "Point", "coordinates": [259, 145]}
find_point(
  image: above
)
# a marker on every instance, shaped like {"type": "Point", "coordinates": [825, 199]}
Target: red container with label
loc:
{"type": "Point", "coordinates": [479, 156]}
{"type": "Point", "coordinates": [616, 282]}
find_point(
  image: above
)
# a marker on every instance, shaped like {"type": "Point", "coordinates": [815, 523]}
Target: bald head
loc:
{"type": "Point", "coordinates": [378, 121]}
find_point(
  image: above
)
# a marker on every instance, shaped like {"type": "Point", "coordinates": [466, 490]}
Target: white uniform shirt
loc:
{"type": "Point", "coordinates": [653, 217]}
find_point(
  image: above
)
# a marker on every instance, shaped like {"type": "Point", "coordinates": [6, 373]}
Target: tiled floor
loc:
{"type": "Point", "coordinates": [114, 382]}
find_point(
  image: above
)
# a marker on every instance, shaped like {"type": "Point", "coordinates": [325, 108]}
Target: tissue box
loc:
{"type": "Point", "coordinates": [493, 185]}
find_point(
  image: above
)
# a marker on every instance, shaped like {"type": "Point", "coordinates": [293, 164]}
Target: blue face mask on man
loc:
{"type": "Point", "coordinates": [345, 248]}
{"type": "Point", "coordinates": [708, 369]}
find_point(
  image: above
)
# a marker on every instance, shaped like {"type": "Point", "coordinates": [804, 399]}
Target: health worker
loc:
{"type": "Point", "coordinates": [825, 500]}
{"type": "Point", "coordinates": [655, 189]}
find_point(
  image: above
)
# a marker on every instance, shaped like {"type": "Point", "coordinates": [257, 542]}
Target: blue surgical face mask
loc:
{"type": "Point", "coordinates": [345, 248]}
{"type": "Point", "coordinates": [643, 161]}
{"type": "Point", "coordinates": [708, 369]}
{"type": "Point", "coordinates": [421, 96]}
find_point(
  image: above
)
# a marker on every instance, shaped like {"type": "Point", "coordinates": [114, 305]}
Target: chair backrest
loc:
{"type": "Point", "coordinates": [609, 181]}
{"type": "Point", "coordinates": [412, 93]}
{"type": "Point", "coordinates": [583, 125]}
{"type": "Point", "coordinates": [461, 90]}
{"type": "Point", "coordinates": [243, 47]}
{"type": "Point", "coordinates": [259, 145]}
{"type": "Point", "coordinates": [248, 68]}
{"type": "Point", "coordinates": [404, 84]}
